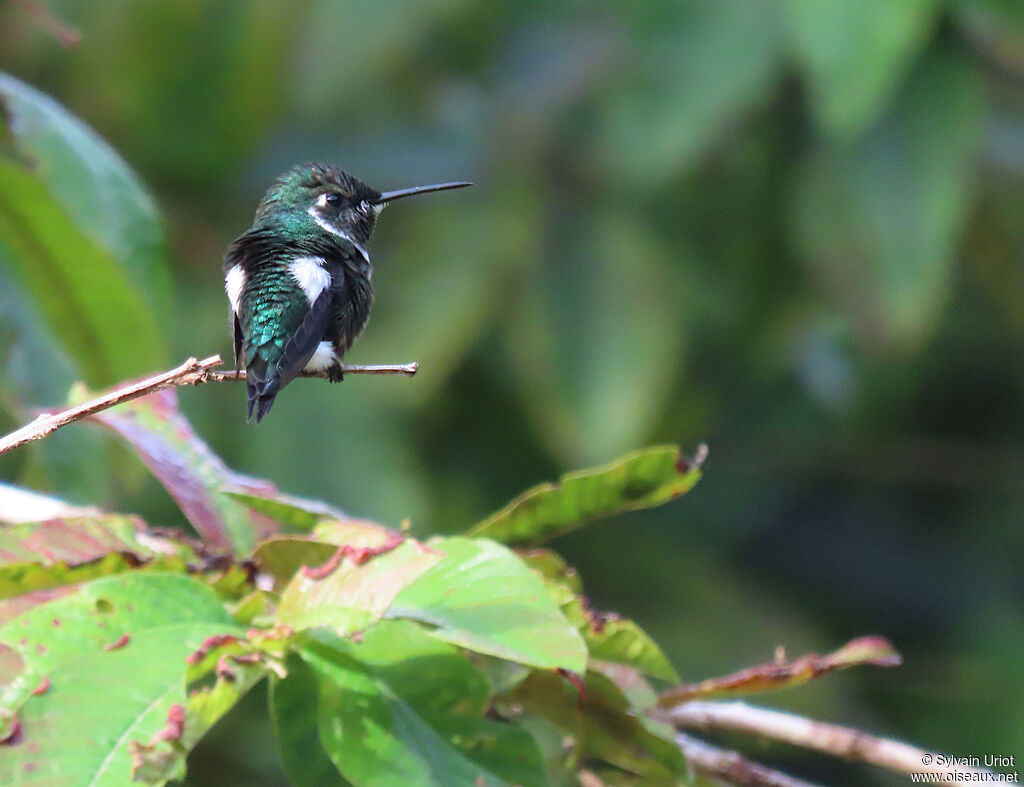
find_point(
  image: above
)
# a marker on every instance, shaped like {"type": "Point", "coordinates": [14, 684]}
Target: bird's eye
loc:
{"type": "Point", "coordinates": [332, 199]}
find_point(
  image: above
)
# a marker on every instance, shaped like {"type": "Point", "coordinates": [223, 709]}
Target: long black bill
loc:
{"type": "Point", "coordinates": [391, 196]}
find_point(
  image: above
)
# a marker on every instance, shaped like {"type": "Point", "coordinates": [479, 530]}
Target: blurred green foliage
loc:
{"type": "Point", "coordinates": [792, 229]}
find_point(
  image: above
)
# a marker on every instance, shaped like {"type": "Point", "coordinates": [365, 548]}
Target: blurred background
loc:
{"type": "Point", "coordinates": [792, 230]}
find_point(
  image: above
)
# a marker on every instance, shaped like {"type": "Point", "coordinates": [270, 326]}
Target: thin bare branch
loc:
{"type": "Point", "coordinates": [192, 372]}
{"type": "Point", "coordinates": [731, 767]}
{"type": "Point", "coordinates": [843, 742]}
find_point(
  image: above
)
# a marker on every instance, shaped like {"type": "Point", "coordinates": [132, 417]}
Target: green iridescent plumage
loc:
{"type": "Point", "coordinates": [299, 279]}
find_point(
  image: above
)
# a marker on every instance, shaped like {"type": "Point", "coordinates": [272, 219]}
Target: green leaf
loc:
{"type": "Point", "coordinates": [403, 707]}
{"type": "Point", "coordinates": [553, 567]}
{"type": "Point", "coordinates": [856, 53]}
{"type": "Point", "coordinates": [24, 339]}
{"type": "Point", "coordinates": [98, 315]}
{"type": "Point", "coordinates": [619, 640]}
{"type": "Point", "coordinates": [641, 479]}
{"type": "Point", "coordinates": [193, 475]}
{"type": "Point", "coordinates": [294, 512]}
{"type": "Point", "coordinates": [163, 757]}
{"type": "Point", "coordinates": [484, 598]}
{"type": "Point", "coordinates": [879, 221]}
{"type": "Point", "coordinates": [608, 637]}
{"type": "Point", "coordinates": [73, 460]}
{"type": "Point", "coordinates": [59, 551]}
{"type": "Point", "coordinates": [119, 215]}
{"type": "Point", "coordinates": [357, 592]}
{"type": "Point", "coordinates": [297, 729]}
{"type": "Point", "coordinates": [603, 725]}
{"type": "Point", "coordinates": [703, 66]}
{"type": "Point", "coordinates": [113, 658]}
{"type": "Point", "coordinates": [93, 265]}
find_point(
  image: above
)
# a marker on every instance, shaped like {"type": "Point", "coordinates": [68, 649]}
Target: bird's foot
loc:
{"type": "Point", "coordinates": [336, 374]}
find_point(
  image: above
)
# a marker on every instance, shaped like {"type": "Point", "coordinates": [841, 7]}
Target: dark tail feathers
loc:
{"type": "Point", "coordinates": [262, 392]}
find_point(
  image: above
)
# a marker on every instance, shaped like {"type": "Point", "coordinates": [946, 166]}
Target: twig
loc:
{"type": "Point", "coordinates": [844, 742]}
{"type": "Point", "coordinates": [714, 763]}
{"type": "Point", "coordinates": [192, 372]}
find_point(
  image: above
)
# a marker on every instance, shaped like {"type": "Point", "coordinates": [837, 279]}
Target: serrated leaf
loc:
{"type": "Point", "coordinates": [641, 479]}
{"type": "Point", "coordinates": [856, 53]}
{"type": "Point", "coordinates": [193, 475]}
{"type": "Point", "coordinates": [111, 675]}
{"type": "Point", "coordinates": [401, 706]}
{"type": "Point", "coordinates": [484, 598]}
{"type": "Point", "coordinates": [878, 221]}
{"type": "Point", "coordinates": [357, 591]}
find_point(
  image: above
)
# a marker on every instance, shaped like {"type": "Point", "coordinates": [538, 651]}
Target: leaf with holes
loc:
{"type": "Point", "coordinates": [109, 675]}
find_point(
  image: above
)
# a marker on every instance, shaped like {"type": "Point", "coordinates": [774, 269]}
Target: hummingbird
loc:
{"type": "Point", "coordinates": [299, 280]}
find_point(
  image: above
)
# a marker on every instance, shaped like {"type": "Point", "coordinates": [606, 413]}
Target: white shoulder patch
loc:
{"type": "Point", "coordinates": [323, 357]}
{"type": "Point", "coordinates": [311, 274]}
{"type": "Point", "coordinates": [234, 283]}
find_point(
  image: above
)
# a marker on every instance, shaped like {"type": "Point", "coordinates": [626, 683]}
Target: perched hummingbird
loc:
{"type": "Point", "coordinates": [300, 279]}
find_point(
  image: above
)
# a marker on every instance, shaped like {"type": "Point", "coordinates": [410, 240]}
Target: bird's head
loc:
{"type": "Point", "coordinates": [339, 203]}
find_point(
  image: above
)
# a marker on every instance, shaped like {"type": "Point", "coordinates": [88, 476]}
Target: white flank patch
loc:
{"type": "Point", "coordinates": [323, 357]}
{"type": "Point", "coordinates": [326, 226]}
{"type": "Point", "coordinates": [311, 275]}
{"type": "Point", "coordinates": [234, 283]}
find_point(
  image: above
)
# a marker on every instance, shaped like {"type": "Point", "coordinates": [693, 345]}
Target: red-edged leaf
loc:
{"type": "Point", "coordinates": [36, 556]}
{"type": "Point", "coordinates": [873, 650]}
{"type": "Point", "coordinates": [193, 475]}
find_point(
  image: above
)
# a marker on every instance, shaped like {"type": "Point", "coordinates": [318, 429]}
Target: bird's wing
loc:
{"type": "Point", "coordinates": [304, 341]}
{"type": "Point", "coordinates": [238, 340]}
